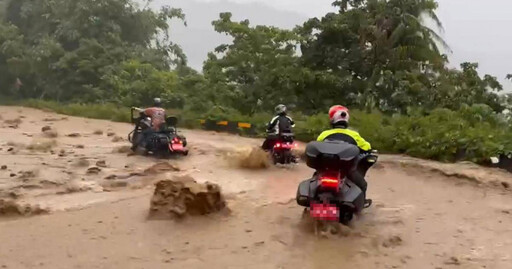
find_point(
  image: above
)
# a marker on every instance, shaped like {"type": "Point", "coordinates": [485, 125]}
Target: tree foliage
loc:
{"type": "Point", "coordinates": [258, 69]}
{"type": "Point", "coordinates": [380, 54]}
{"type": "Point", "coordinates": [73, 50]}
{"type": "Point", "coordinates": [372, 54]}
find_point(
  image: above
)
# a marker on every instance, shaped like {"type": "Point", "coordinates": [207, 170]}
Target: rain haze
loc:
{"type": "Point", "coordinates": [476, 32]}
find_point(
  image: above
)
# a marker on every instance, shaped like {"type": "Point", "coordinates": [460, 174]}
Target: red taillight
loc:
{"type": "Point", "coordinates": [330, 180]}
{"type": "Point", "coordinates": [283, 145]}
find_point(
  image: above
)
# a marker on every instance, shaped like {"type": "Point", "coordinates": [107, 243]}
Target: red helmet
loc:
{"type": "Point", "coordinates": [338, 114]}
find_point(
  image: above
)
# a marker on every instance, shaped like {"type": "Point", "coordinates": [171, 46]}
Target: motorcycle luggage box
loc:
{"type": "Point", "coordinates": [330, 154]}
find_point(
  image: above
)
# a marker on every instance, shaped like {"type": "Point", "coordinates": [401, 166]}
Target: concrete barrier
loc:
{"type": "Point", "coordinates": [233, 127]}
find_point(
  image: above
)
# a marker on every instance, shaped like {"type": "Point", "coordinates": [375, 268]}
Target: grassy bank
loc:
{"type": "Point", "coordinates": [472, 133]}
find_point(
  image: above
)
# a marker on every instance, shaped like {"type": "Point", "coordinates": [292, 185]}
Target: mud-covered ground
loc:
{"type": "Point", "coordinates": [425, 214]}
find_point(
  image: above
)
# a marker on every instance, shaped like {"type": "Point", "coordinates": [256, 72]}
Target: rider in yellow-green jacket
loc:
{"type": "Point", "coordinates": [339, 117]}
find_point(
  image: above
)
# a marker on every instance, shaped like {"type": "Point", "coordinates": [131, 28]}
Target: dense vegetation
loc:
{"type": "Point", "coordinates": [376, 56]}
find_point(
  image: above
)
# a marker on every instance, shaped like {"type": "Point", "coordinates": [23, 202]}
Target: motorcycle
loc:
{"type": "Point", "coordinates": [281, 151]}
{"type": "Point", "coordinates": [165, 142]}
{"type": "Point", "coordinates": [329, 195]}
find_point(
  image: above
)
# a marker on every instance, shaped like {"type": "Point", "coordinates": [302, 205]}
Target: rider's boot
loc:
{"type": "Point", "coordinates": [367, 202]}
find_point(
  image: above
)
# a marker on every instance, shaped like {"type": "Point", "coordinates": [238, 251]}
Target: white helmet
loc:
{"type": "Point", "coordinates": [157, 102]}
{"type": "Point", "coordinates": [280, 109]}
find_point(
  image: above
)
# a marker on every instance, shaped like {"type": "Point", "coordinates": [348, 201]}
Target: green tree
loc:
{"type": "Point", "coordinates": [376, 52]}
{"type": "Point", "coordinates": [67, 46]}
{"type": "Point", "coordinates": [379, 54]}
{"type": "Point", "coordinates": [12, 60]}
{"type": "Point", "coordinates": [260, 67]}
{"type": "Point", "coordinates": [135, 83]}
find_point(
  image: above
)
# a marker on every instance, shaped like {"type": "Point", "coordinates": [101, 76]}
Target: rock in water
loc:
{"type": "Point", "coordinates": [93, 170]}
{"type": "Point", "coordinates": [183, 196]}
{"type": "Point", "coordinates": [13, 208]}
{"type": "Point", "coordinates": [161, 167]}
{"type": "Point", "coordinates": [74, 135]}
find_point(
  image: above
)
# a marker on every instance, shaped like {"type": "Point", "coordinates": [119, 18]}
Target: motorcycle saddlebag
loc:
{"type": "Point", "coordinates": [304, 192]}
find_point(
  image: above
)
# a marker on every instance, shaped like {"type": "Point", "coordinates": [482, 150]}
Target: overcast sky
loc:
{"type": "Point", "coordinates": [476, 30]}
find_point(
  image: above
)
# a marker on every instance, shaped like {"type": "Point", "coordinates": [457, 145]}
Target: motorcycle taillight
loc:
{"type": "Point", "coordinates": [277, 145]}
{"type": "Point", "coordinates": [176, 140]}
{"type": "Point", "coordinates": [330, 180]}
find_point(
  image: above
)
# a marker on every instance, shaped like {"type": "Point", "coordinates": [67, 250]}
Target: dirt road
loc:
{"type": "Point", "coordinates": [421, 217]}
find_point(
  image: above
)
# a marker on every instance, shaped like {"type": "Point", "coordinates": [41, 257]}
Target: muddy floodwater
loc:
{"type": "Point", "coordinates": [86, 204]}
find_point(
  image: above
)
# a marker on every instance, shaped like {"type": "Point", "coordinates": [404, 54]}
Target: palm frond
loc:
{"type": "Point", "coordinates": [432, 14]}
{"type": "Point", "coordinates": [397, 33]}
{"type": "Point", "coordinates": [416, 23]}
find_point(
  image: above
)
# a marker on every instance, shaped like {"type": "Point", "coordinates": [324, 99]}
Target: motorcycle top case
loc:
{"type": "Point", "coordinates": [330, 155]}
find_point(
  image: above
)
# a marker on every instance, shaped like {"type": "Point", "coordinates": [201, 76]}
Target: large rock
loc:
{"type": "Point", "coordinates": [9, 207]}
{"type": "Point", "coordinates": [183, 196]}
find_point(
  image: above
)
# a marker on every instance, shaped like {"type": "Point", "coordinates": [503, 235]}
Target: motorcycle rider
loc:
{"type": "Point", "coordinates": [157, 119]}
{"type": "Point", "coordinates": [280, 124]}
{"type": "Point", "coordinates": [339, 117]}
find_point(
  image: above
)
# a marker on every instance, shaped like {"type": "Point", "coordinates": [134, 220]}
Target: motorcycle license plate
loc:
{"type": "Point", "coordinates": [177, 147]}
{"type": "Point", "coordinates": [287, 146]}
{"type": "Point", "coordinates": [324, 212]}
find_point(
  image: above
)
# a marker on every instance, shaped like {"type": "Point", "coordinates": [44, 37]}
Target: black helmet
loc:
{"type": "Point", "coordinates": [157, 102]}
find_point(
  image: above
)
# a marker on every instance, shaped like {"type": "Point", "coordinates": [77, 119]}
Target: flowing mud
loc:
{"type": "Point", "coordinates": [249, 158]}
{"type": "Point", "coordinates": [425, 214]}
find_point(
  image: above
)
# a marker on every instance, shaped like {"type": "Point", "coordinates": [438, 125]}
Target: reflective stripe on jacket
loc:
{"type": "Point", "coordinates": [361, 143]}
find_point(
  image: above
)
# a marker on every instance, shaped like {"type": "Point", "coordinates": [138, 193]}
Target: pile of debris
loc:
{"type": "Point", "coordinates": [10, 207]}
{"type": "Point", "coordinates": [183, 196]}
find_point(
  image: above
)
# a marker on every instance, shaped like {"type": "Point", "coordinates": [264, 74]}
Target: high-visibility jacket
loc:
{"type": "Point", "coordinates": [346, 135]}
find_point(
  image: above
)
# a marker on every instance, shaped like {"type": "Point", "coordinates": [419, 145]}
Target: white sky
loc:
{"type": "Point", "coordinates": [310, 8]}
{"type": "Point", "coordinates": [476, 30]}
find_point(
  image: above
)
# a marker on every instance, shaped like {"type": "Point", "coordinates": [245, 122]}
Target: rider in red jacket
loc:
{"type": "Point", "coordinates": [157, 115]}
